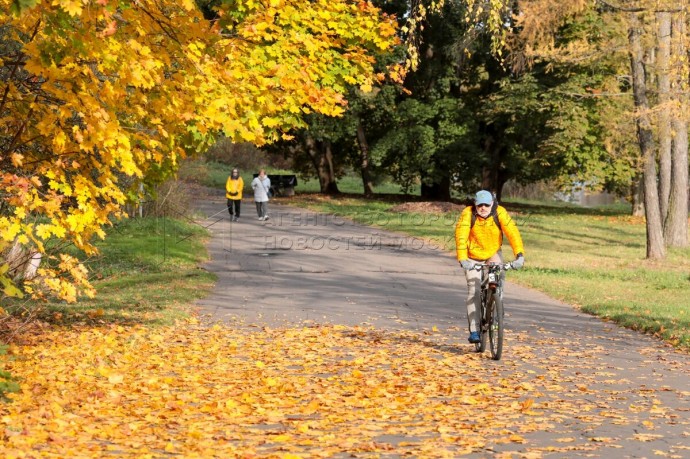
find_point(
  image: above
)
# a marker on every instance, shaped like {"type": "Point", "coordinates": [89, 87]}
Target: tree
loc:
{"type": "Point", "coordinates": [94, 91]}
{"type": "Point", "coordinates": [416, 132]}
{"type": "Point", "coordinates": [656, 65]}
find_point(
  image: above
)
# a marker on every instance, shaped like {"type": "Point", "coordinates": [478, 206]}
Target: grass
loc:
{"type": "Point", "coordinates": [214, 175]}
{"type": "Point", "coordinates": [146, 272]}
{"type": "Point", "coordinates": [591, 258]}
{"type": "Point", "coordinates": [350, 184]}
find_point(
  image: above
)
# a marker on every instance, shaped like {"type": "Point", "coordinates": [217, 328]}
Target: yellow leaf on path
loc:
{"type": "Point", "coordinates": [525, 386]}
{"type": "Point", "coordinates": [527, 404]}
{"type": "Point", "coordinates": [312, 407]}
{"type": "Point", "coordinates": [646, 437]}
{"type": "Point", "coordinates": [115, 378]}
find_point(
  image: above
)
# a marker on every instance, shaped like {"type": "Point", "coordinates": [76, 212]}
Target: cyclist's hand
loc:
{"type": "Point", "coordinates": [518, 262]}
{"type": "Point", "coordinates": [467, 264]}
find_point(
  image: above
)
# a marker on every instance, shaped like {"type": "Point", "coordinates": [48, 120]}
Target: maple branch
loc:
{"type": "Point", "coordinates": [16, 64]}
{"type": "Point", "coordinates": [166, 28]}
{"type": "Point", "coordinates": [7, 90]}
{"type": "Point", "coordinates": [59, 155]}
{"type": "Point", "coordinates": [20, 131]}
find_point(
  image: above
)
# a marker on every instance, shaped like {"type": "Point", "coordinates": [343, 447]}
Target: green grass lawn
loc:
{"type": "Point", "coordinates": [146, 272]}
{"type": "Point", "coordinates": [214, 175]}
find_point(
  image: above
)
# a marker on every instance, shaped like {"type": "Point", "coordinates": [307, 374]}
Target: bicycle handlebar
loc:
{"type": "Point", "coordinates": [502, 266]}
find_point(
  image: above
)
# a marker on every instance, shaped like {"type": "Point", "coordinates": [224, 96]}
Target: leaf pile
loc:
{"type": "Point", "coordinates": [318, 391]}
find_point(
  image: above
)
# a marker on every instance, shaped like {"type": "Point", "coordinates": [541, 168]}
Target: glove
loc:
{"type": "Point", "coordinates": [518, 262]}
{"type": "Point", "coordinates": [467, 264]}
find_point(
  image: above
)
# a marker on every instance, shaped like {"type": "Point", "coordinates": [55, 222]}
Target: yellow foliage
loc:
{"type": "Point", "coordinates": [110, 88]}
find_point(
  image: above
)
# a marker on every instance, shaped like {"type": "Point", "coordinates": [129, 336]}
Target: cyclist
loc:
{"type": "Point", "coordinates": [478, 238]}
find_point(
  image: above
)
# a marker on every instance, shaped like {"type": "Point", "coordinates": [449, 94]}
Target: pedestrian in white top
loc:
{"type": "Point", "coordinates": [261, 186]}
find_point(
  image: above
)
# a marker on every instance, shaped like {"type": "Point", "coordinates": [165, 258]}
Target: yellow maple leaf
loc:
{"type": "Point", "coordinates": [282, 438]}
{"type": "Point", "coordinates": [71, 7]}
{"type": "Point", "coordinates": [188, 5]}
{"type": "Point", "coordinates": [115, 378]}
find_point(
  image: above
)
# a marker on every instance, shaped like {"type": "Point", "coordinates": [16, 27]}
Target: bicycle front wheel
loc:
{"type": "Point", "coordinates": [495, 325]}
{"type": "Point", "coordinates": [481, 326]}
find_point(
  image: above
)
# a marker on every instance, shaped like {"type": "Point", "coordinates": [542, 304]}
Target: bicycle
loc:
{"type": "Point", "coordinates": [491, 308]}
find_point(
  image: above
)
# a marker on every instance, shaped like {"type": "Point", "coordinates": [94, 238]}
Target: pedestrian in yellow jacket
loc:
{"type": "Point", "coordinates": [233, 191]}
{"type": "Point", "coordinates": [478, 238]}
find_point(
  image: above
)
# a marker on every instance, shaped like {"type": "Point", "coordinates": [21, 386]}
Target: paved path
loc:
{"type": "Point", "coordinates": [633, 391]}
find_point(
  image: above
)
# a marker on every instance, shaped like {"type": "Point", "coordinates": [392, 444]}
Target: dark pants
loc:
{"type": "Point", "coordinates": [234, 207]}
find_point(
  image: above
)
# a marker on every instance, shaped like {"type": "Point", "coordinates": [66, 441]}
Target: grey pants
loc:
{"type": "Point", "coordinates": [262, 209]}
{"type": "Point", "coordinates": [474, 278]}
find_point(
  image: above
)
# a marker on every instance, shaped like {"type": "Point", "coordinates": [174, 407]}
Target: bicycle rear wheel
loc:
{"type": "Point", "coordinates": [495, 325]}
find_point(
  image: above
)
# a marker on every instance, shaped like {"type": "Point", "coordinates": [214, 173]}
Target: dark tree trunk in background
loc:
{"type": "Point", "coordinates": [493, 178]}
{"type": "Point", "coordinates": [439, 191]}
{"type": "Point", "coordinates": [364, 151]}
{"type": "Point", "coordinates": [637, 197]}
{"type": "Point", "coordinates": [322, 158]}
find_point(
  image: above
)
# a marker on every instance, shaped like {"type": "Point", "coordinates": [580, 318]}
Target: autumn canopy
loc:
{"type": "Point", "coordinates": [97, 95]}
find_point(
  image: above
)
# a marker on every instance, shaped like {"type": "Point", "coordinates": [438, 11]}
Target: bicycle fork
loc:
{"type": "Point", "coordinates": [488, 309]}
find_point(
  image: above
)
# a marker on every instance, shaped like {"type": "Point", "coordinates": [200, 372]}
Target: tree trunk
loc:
{"type": "Point", "coordinates": [322, 158]}
{"type": "Point", "coordinates": [489, 172]}
{"type": "Point", "coordinates": [437, 191]}
{"type": "Point", "coordinates": [655, 239]}
{"type": "Point", "coordinates": [499, 186]}
{"type": "Point", "coordinates": [364, 163]}
{"type": "Point", "coordinates": [637, 196]}
{"type": "Point", "coordinates": [676, 223]}
{"type": "Point", "coordinates": [493, 176]}
{"type": "Point", "coordinates": [665, 133]}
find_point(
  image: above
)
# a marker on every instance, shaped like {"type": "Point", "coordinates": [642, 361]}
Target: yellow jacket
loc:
{"type": "Point", "coordinates": [484, 239]}
{"type": "Point", "coordinates": [234, 186]}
